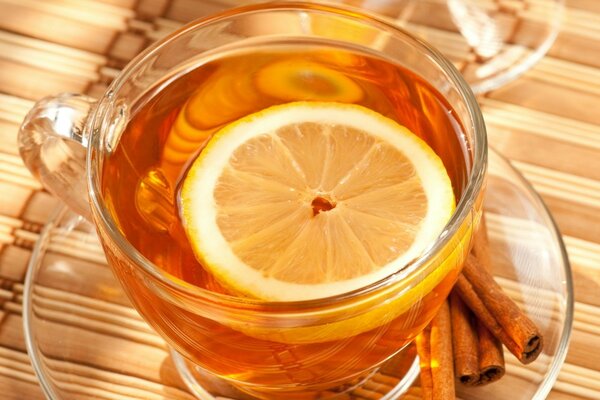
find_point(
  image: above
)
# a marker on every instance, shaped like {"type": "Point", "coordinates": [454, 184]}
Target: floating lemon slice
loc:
{"type": "Point", "coordinates": [312, 199]}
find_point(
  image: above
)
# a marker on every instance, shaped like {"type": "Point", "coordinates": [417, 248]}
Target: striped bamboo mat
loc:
{"type": "Point", "coordinates": [547, 123]}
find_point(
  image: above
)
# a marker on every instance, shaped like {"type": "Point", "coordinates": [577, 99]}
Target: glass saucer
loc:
{"type": "Point", "coordinates": [86, 342]}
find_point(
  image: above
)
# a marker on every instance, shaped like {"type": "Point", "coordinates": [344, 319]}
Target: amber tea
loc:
{"type": "Point", "coordinates": [244, 114]}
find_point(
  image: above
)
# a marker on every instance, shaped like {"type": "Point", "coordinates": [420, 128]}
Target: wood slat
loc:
{"type": "Point", "coordinates": [128, 4]}
{"type": "Point", "coordinates": [583, 252]}
{"type": "Point", "coordinates": [60, 58]}
{"type": "Point", "coordinates": [516, 117]}
{"type": "Point", "coordinates": [581, 22]}
{"type": "Point", "coordinates": [12, 111]}
{"type": "Point", "coordinates": [585, 262]}
{"type": "Point", "coordinates": [188, 10]}
{"type": "Point", "coordinates": [32, 68]}
{"type": "Point", "coordinates": [545, 97]}
{"type": "Point", "coordinates": [526, 145]}
{"type": "Point", "coordinates": [85, 25]}
{"type": "Point", "coordinates": [13, 205]}
{"type": "Point", "coordinates": [15, 389]}
{"type": "Point", "coordinates": [569, 74]}
{"type": "Point", "coordinates": [13, 263]}
{"type": "Point", "coordinates": [552, 183]}
{"type": "Point", "coordinates": [150, 9]}
{"type": "Point", "coordinates": [587, 5]}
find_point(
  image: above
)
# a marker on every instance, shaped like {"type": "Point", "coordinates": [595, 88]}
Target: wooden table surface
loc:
{"type": "Point", "coordinates": [547, 123]}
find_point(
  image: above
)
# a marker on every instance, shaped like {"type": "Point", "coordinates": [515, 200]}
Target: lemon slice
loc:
{"type": "Point", "coordinates": [307, 200]}
{"type": "Point", "coordinates": [307, 80]}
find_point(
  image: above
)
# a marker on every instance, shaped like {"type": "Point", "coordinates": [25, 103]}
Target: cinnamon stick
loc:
{"type": "Point", "coordinates": [491, 354]}
{"type": "Point", "coordinates": [434, 346]}
{"type": "Point", "coordinates": [478, 355]}
{"type": "Point", "coordinates": [423, 342]}
{"type": "Point", "coordinates": [500, 315]}
{"type": "Point", "coordinates": [481, 245]}
{"type": "Point", "coordinates": [464, 342]}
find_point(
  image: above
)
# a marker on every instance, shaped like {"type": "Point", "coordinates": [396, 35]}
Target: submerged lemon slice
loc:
{"type": "Point", "coordinates": [307, 80]}
{"type": "Point", "coordinates": [312, 199]}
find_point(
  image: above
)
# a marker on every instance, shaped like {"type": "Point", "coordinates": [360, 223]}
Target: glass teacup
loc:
{"type": "Point", "coordinates": [268, 349]}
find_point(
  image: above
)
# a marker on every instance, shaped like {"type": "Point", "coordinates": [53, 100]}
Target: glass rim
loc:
{"type": "Point", "coordinates": [474, 182]}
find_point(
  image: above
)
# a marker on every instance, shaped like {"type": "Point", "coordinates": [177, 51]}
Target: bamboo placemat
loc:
{"type": "Point", "coordinates": [547, 123]}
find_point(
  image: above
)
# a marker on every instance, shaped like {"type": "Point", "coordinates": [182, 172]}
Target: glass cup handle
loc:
{"type": "Point", "coordinates": [53, 141]}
